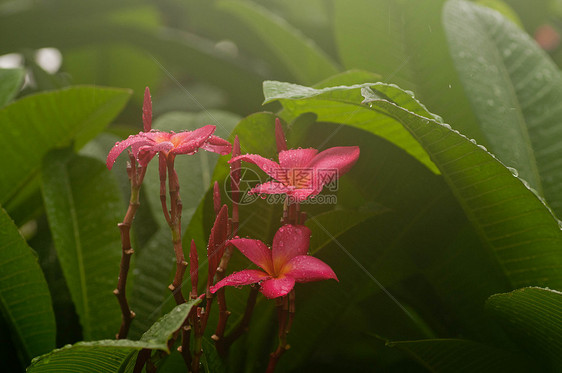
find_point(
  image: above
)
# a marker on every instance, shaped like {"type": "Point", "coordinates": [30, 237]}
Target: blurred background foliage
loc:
{"type": "Point", "coordinates": [404, 217]}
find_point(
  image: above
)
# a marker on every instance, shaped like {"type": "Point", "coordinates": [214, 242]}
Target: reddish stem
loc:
{"type": "Point", "coordinates": [286, 313]}
{"type": "Point", "coordinates": [223, 345]}
{"type": "Point", "coordinates": [175, 227]}
{"type": "Point", "coordinates": [136, 176]}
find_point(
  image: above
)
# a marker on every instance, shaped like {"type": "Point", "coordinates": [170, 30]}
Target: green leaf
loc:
{"type": "Point", "coordinates": [25, 301]}
{"type": "Point", "coordinates": [83, 207]}
{"type": "Point", "coordinates": [308, 63]}
{"type": "Point", "coordinates": [517, 226]}
{"type": "Point", "coordinates": [341, 104]}
{"type": "Point", "coordinates": [533, 316]}
{"type": "Point", "coordinates": [112, 355]}
{"type": "Point", "coordinates": [405, 42]}
{"type": "Point", "coordinates": [461, 355]}
{"type": "Point", "coordinates": [515, 90]}
{"type": "Point", "coordinates": [10, 84]}
{"type": "Point", "coordinates": [35, 124]}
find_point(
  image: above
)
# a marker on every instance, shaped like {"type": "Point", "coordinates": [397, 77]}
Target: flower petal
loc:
{"type": "Point", "coordinates": [134, 140]}
{"type": "Point", "coordinates": [217, 145]}
{"type": "Point", "coordinates": [296, 158]}
{"type": "Point", "coordinates": [267, 165]}
{"type": "Point", "coordinates": [256, 251]}
{"type": "Point", "coordinates": [271, 187]}
{"type": "Point", "coordinates": [305, 268]}
{"type": "Point", "coordinates": [189, 142]}
{"type": "Point", "coordinates": [146, 153]}
{"type": "Point", "coordinates": [333, 162]}
{"type": "Point", "coordinates": [289, 241]}
{"type": "Point", "coordinates": [277, 287]}
{"type": "Point", "coordinates": [245, 277]}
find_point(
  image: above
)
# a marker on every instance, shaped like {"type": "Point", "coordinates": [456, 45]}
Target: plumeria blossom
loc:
{"type": "Point", "coordinates": [145, 145]}
{"type": "Point", "coordinates": [301, 173]}
{"type": "Point", "coordinates": [281, 266]}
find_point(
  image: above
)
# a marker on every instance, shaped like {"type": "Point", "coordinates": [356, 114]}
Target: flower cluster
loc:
{"type": "Point", "coordinates": [299, 174]}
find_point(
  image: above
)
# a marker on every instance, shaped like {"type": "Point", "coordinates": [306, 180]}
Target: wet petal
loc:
{"type": "Point", "coordinates": [333, 163]}
{"type": "Point", "coordinates": [306, 268]}
{"type": "Point", "coordinates": [189, 142]}
{"type": "Point", "coordinates": [146, 153]}
{"type": "Point", "coordinates": [267, 165]}
{"type": "Point", "coordinates": [246, 277]}
{"type": "Point", "coordinates": [271, 187]}
{"type": "Point", "coordinates": [217, 145]}
{"type": "Point", "coordinates": [289, 241]}
{"type": "Point", "coordinates": [256, 251]}
{"type": "Point", "coordinates": [133, 140]}
{"type": "Point", "coordinates": [296, 158]}
{"type": "Point", "coordinates": [277, 287]}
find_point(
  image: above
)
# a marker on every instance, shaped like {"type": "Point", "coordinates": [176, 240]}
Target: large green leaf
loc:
{"type": "Point", "coordinates": [341, 104]}
{"type": "Point", "coordinates": [83, 205]}
{"type": "Point", "coordinates": [518, 227]}
{"type": "Point", "coordinates": [25, 301]}
{"type": "Point", "coordinates": [10, 84]}
{"type": "Point", "coordinates": [515, 90]}
{"type": "Point", "coordinates": [308, 63]}
{"type": "Point", "coordinates": [404, 41]}
{"type": "Point", "coordinates": [461, 355]}
{"type": "Point", "coordinates": [35, 124]}
{"type": "Point", "coordinates": [534, 318]}
{"type": "Point", "coordinates": [113, 355]}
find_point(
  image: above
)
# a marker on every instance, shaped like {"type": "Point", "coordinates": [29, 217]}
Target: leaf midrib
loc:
{"type": "Point", "coordinates": [78, 247]}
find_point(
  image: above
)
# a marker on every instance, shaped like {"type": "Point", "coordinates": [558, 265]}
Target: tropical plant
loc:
{"type": "Point", "coordinates": [444, 236]}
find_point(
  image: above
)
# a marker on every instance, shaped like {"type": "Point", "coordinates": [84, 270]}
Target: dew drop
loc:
{"type": "Point", "coordinates": [513, 171]}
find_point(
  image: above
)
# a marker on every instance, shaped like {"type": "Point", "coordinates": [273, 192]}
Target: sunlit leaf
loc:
{"type": "Point", "coordinates": [33, 125]}
{"type": "Point", "coordinates": [341, 104]}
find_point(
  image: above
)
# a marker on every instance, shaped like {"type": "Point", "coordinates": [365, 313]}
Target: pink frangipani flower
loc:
{"type": "Point", "coordinates": [301, 173]}
{"type": "Point", "coordinates": [146, 144]}
{"type": "Point", "coordinates": [282, 266]}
